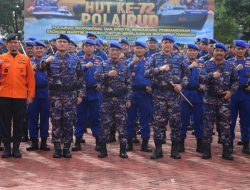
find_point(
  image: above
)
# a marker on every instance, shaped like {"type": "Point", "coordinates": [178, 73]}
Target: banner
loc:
{"type": "Point", "coordinates": [112, 20]}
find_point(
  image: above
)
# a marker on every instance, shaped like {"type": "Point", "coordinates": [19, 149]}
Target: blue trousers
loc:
{"type": "Point", "coordinates": [197, 113]}
{"type": "Point", "coordinates": [38, 109]}
{"type": "Point", "coordinates": [141, 107]}
{"type": "Point", "coordinates": [88, 112]}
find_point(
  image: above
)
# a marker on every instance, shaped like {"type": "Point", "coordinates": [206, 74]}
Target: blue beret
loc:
{"type": "Point", "coordinates": [90, 34]}
{"type": "Point", "coordinates": [142, 44]}
{"type": "Point", "coordinates": [72, 42]}
{"type": "Point", "coordinates": [100, 42]}
{"type": "Point", "coordinates": [153, 39]}
{"type": "Point", "coordinates": [39, 43]}
{"type": "Point", "coordinates": [124, 41]}
{"type": "Point", "coordinates": [12, 36]}
{"type": "Point", "coordinates": [204, 40]}
{"type": "Point", "coordinates": [220, 46]}
{"type": "Point", "coordinates": [168, 37]}
{"type": "Point", "coordinates": [198, 40]}
{"type": "Point", "coordinates": [176, 46]}
{"type": "Point", "coordinates": [32, 39]}
{"type": "Point", "coordinates": [63, 36]}
{"type": "Point", "coordinates": [212, 41]}
{"type": "Point", "coordinates": [90, 42]}
{"type": "Point", "coordinates": [193, 46]}
{"type": "Point", "coordinates": [115, 45]}
{"type": "Point", "coordinates": [240, 43]}
{"type": "Point", "coordinates": [29, 43]}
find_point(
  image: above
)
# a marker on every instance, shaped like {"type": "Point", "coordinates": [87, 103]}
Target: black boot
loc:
{"type": "Point", "coordinates": [240, 142]}
{"type": "Point", "coordinates": [182, 146]}
{"type": "Point", "coordinates": [97, 144]}
{"type": "Point", "coordinates": [135, 139]}
{"type": "Point", "coordinates": [145, 147]}
{"type": "Point", "coordinates": [7, 150]}
{"type": "Point", "coordinates": [123, 152]}
{"type": "Point", "coordinates": [158, 151]}
{"type": "Point", "coordinates": [77, 146]}
{"type": "Point", "coordinates": [226, 154]}
{"type": "Point", "coordinates": [246, 148]}
{"type": "Point", "coordinates": [199, 145]}
{"type": "Point", "coordinates": [16, 151]}
{"type": "Point", "coordinates": [58, 150]}
{"type": "Point", "coordinates": [231, 147]}
{"type": "Point", "coordinates": [34, 145]}
{"type": "Point", "coordinates": [44, 145]}
{"type": "Point", "coordinates": [164, 140]}
{"type": "Point", "coordinates": [175, 150]}
{"type": "Point", "coordinates": [130, 146]}
{"type": "Point", "coordinates": [206, 151]}
{"type": "Point", "coordinates": [103, 151]}
{"type": "Point", "coordinates": [66, 151]}
{"type": "Point", "coordinates": [112, 134]}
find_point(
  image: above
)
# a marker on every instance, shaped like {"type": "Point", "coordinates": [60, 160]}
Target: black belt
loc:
{"type": "Point", "coordinates": [242, 87]}
{"type": "Point", "coordinates": [216, 95]}
{"type": "Point", "coordinates": [63, 88]}
{"type": "Point", "coordinates": [116, 93]}
{"type": "Point", "coordinates": [92, 87]}
{"type": "Point", "coordinates": [163, 88]}
{"type": "Point", "coordinates": [139, 88]}
{"type": "Point", "coordinates": [192, 87]}
{"type": "Point", "coordinates": [41, 86]}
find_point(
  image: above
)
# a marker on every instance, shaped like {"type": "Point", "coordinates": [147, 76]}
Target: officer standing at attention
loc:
{"type": "Point", "coordinates": [17, 88]}
{"type": "Point", "coordinates": [203, 47]}
{"type": "Point", "coordinates": [166, 70]}
{"type": "Point", "coordinates": [241, 99]}
{"type": "Point", "coordinates": [40, 106]}
{"type": "Point", "coordinates": [152, 45]}
{"type": "Point", "coordinates": [194, 91]}
{"type": "Point", "coordinates": [221, 80]}
{"type": "Point", "coordinates": [140, 98]}
{"type": "Point", "coordinates": [114, 76]}
{"type": "Point", "coordinates": [66, 90]}
{"type": "Point", "coordinates": [88, 111]}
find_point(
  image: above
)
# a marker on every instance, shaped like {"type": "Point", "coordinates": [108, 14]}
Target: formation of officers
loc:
{"type": "Point", "coordinates": [144, 84]}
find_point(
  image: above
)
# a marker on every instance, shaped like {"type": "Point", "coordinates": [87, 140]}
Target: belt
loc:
{"type": "Point", "coordinates": [116, 93]}
{"type": "Point", "coordinates": [139, 88]}
{"type": "Point", "coordinates": [41, 86]}
{"type": "Point", "coordinates": [91, 87]}
{"type": "Point", "coordinates": [216, 95]}
{"type": "Point", "coordinates": [163, 88]}
{"type": "Point", "coordinates": [61, 88]}
{"type": "Point", "coordinates": [192, 87]}
{"type": "Point", "coordinates": [242, 87]}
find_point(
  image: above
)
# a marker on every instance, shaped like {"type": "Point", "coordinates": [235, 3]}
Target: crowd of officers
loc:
{"type": "Point", "coordinates": [124, 87]}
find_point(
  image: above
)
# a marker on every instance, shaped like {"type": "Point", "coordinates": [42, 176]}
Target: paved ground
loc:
{"type": "Point", "coordinates": [38, 170]}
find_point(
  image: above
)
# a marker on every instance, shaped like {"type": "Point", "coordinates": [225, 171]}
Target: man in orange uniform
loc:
{"type": "Point", "coordinates": [17, 87]}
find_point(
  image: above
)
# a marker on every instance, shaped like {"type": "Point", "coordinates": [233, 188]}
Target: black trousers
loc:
{"type": "Point", "coordinates": [12, 110]}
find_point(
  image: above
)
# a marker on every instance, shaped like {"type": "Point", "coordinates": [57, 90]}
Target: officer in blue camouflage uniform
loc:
{"type": "Point", "coordinates": [125, 49]}
{"type": "Point", "coordinates": [221, 80]}
{"type": "Point", "coordinates": [99, 50]}
{"type": "Point", "coordinates": [241, 99]}
{"type": "Point", "coordinates": [141, 98]}
{"type": "Point", "coordinates": [40, 105]}
{"type": "Point", "coordinates": [66, 90]}
{"type": "Point", "coordinates": [88, 110]}
{"type": "Point", "coordinates": [210, 49]}
{"type": "Point", "coordinates": [152, 45]}
{"type": "Point", "coordinates": [203, 47]}
{"type": "Point", "coordinates": [194, 91]}
{"type": "Point", "coordinates": [166, 70]}
{"type": "Point", "coordinates": [114, 76]}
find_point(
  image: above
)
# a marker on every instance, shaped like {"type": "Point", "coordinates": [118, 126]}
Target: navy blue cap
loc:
{"type": "Point", "coordinates": [124, 41]}
{"type": "Point", "coordinates": [198, 40]}
{"type": "Point", "coordinates": [12, 36]}
{"type": "Point", "coordinates": [90, 42]}
{"type": "Point", "coordinates": [142, 44]}
{"type": "Point", "coordinates": [168, 37]}
{"type": "Point", "coordinates": [153, 39]}
{"type": "Point", "coordinates": [204, 40]}
{"type": "Point", "coordinates": [212, 41]}
{"type": "Point", "coordinates": [240, 43]}
{"type": "Point", "coordinates": [29, 43]}
{"type": "Point", "coordinates": [39, 43]}
{"type": "Point", "coordinates": [63, 36]}
{"type": "Point", "coordinates": [32, 39]}
{"type": "Point", "coordinates": [90, 34]}
{"type": "Point", "coordinates": [115, 45]}
{"type": "Point", "coordinates": [193, 46]}
{"type": "Point", "coordinates": [220, 46]}
{"type": "Point", "coordinates": [176, 46]}
{"type": "Point", "coordinates": [72, 42]}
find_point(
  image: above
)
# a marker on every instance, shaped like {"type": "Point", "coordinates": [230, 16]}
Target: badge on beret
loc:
{"type": "Point", "coordinates": [6, 70]}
